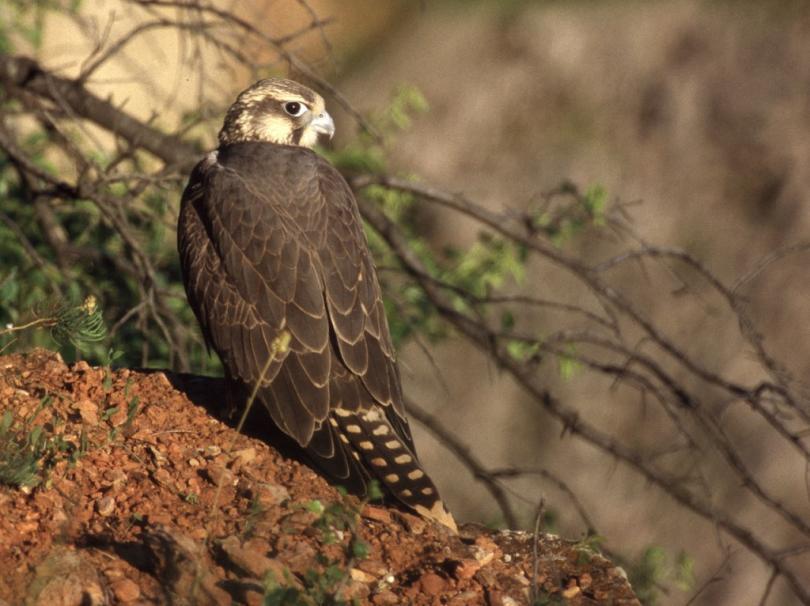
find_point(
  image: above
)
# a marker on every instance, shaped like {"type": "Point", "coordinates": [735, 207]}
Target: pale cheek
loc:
{"type": "Point", "coordinates": [275, 130]}
{"type": "Point", "coordinates": [309, 138]}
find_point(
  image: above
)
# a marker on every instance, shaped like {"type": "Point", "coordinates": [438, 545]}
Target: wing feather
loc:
{"type": "Point", "coordinates": [271, 240]}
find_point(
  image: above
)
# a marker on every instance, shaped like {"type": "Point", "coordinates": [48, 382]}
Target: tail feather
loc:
{"type": "Point", "coordinates": [390, 459]}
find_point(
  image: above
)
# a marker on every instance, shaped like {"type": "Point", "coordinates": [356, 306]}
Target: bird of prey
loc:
{"type": "Point", "coordinates": [271, 244]}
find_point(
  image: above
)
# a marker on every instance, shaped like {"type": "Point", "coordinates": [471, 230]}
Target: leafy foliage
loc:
{"type": "Point", "coordinates": [28, 451]}
{"type": "Point", "coordinates": [69, 324]}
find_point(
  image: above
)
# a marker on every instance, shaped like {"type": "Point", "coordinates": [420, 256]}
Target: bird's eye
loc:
{"type": "Point", "coordinates": [294, 108]}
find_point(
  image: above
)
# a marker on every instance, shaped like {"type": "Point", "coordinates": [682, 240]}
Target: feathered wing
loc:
{"type": "Point", "coordinates": [270, 241]}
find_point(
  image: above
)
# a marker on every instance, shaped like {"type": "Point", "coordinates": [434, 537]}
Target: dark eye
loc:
{"type": "Point", "coordinates": [294, 108]}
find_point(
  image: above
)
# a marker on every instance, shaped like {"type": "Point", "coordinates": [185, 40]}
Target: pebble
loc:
{"type": "Point", "coordinates": [466, 569]}
{"type": "Point", "coordinates": [432, 584]}
{"type": "Point", "coordinates": [378, 514]}
{"type": "Point", "coordinates": [268, 495]}
{"type": "Point", "coordinates": [105, 506]}
{"type": "Point", "coordinates": [218, 475]}
{"type": "Point", "coordinates": [126, 590]}
{"type": "Point", "coordinates": [245, 455]}
{"type": "Point", "coordinates": [482, 556]}
{"type": "Point", "coordinates": [414, 524]}
{"type": "Point", "coordinates": [385, 598]}
{"type": "Point", "coordinates": [253, 562]}
{"type": "Point", "coordinates": [358, 575]}
{"type": "Point", "coordinates": [88, 411]}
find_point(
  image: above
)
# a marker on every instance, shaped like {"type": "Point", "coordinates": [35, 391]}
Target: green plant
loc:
{"type": "Point", "coordinates": [654, 568]}
{"type": "Point", "coordinates": [336, 523]}
{"type": "Point", "coordinates": [28, 451]}
{"type": "Point", "coordinates": [69, 324]}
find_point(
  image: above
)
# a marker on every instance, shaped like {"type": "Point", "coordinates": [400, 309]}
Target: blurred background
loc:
{"type": "Point", "coordinates": [683, 125]}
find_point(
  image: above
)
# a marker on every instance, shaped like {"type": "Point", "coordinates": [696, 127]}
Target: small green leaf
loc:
{"type": "Point", "coordinates": [315, 506]}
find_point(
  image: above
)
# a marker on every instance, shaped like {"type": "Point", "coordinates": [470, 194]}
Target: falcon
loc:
{"type": "Point", "coordinates": [277, 269]}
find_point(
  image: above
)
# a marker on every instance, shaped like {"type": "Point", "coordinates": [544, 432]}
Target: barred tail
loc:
{"type": "Point", "coordinates": [378, 447]}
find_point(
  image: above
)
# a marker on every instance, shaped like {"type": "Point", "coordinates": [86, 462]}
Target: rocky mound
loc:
{"type": "Point", "coordinates": [116, 488]}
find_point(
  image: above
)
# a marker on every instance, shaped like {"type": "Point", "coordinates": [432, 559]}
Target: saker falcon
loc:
{"type": "Point", "coordinates": [271, 243]}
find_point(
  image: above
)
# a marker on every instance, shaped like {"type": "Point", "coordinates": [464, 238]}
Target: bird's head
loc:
{"type": "Point", "coordinates": [277, 111]}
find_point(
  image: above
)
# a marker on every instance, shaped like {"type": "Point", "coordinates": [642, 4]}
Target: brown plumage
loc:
{"type": "Point", "coordinates": [271, 243]}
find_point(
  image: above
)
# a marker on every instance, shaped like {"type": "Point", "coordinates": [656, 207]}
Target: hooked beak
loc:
{"type": "Point", "coordinates": [323, 125]}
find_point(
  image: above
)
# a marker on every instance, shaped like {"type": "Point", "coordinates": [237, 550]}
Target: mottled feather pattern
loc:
{"type": "Point", "coordinates": [271, 240]}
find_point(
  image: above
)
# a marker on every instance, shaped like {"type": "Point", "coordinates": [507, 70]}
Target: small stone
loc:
{"type": "Point", "coordinates": [269, 495]}
{"type": "Point", "coordinates": [258, 545]}
{"type": "Point", "coordinates": [113, 574]}
{"type": "Point", "coordinates": [117, 478]}
{"type": "Point", "coordinates": [119, 417]}
{"type": "Point", "coordinates": [212, 451]}
{"type": "Point", "coordinates": [571, 591]}
{"type": "Point", "coordinates": [385, 598]}
{"type": "Point", "coordinates": [482, 556]}
{"type": "Point", "coordinates": [218, 475]}
{"type": "Point", "coordinates": [126, 590]}
{"type": "Point", "coordinates": [414, 524]}
{"type": "Point", "coordinates": [105, 506]}
{"type": "Point", "coordinates": [360, 576]}
{"type": "Point", "coordinates": [26, 527]}
{"type": "Point", "coordinates": [585, 580]}
{"type": "Point", "coordinates": [162, 379]}
{"type": "Point", "coordinates": [253, 562]}
{"type": "Point", "coordinates": [466, 569]}
{"type": "Point", "coordinates": [163, 477]}
{"type": "Point", "coordinates": [65, 578]}
{"type": "Point", "coordinates": [245, 455]}
{"type": "Point", "coordinates": [485, 543]}
{"type": "Point", "coordinates": [378, 514]}
{"type": "Point", "coordinates": [254, 598]}
{"type": "Point", "coordinates": [507, 558]}
{"type": "Point", "coordinates": [88, 411]}
{"type": "Point", "coordinates": [373, 567]}
{"type": "Point", "coordinates": [432, 584]}
{"type": "Point", "coordinates": [487, 577]}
